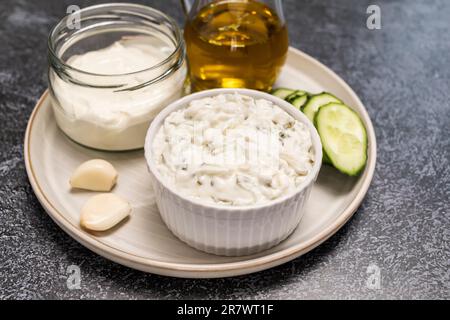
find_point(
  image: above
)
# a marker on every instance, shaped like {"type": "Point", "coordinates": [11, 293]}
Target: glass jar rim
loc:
{"type": "Point", "coordinates": [179, 46]}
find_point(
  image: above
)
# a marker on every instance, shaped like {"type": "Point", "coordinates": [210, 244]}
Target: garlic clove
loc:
{"type": "Point", "coordinates": [94, 175]}
{"type": "Point", "coordinates": [103, 211]}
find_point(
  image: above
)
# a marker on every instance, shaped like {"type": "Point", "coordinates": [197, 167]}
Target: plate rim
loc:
{"type": "Point", "coordinates": [192, 270]}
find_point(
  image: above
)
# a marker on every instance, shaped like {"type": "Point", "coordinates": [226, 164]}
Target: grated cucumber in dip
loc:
{"type": "Point", "coordinates": [232, 149]}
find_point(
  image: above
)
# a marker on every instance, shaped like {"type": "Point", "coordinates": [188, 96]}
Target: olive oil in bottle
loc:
{"type": "Point", "coordinates": [235, 44]}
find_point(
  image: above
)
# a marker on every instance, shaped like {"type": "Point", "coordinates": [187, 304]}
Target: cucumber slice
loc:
{"type": "Point", "coordinates": [282, 92]}
{"type": "Point", "coordinates": [316, 101]}
{"type": "Point", "coordinates": [343, 137]}
{"type": "Point", "coordinates": [294, 95]}
{"type": "Point", "coordinates": [299, 101]}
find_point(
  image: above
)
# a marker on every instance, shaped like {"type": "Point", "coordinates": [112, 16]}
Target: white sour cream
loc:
{"type": "Point", "coordinates": [106, 118]}
{"type": "Point", "coordinates": [232, 149]}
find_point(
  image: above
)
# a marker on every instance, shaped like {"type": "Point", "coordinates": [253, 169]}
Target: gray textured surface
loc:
{"type": "Point", "coordinates": [402, 74]}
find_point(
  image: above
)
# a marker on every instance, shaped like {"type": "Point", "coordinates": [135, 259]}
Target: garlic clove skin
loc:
{"type": "Point", "coordinates": [94, 175]}
{"type": "Point", "coordinates": [103, 211]}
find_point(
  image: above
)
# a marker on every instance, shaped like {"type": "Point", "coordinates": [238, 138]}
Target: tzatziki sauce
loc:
{"type": "Point", "coordinates": [234, 150]}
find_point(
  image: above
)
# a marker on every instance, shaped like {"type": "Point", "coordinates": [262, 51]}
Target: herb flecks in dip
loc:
{"type": "Point", "coordinates": [232, 149]}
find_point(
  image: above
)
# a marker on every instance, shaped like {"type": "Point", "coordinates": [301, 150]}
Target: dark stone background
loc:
{"type": "Point", "coordinates": [401, 73]}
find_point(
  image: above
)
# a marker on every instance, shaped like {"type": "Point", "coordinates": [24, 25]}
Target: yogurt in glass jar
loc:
{"type": "Point", "coordinates": [109, 78]}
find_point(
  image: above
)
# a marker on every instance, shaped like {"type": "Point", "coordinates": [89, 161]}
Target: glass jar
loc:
{"type": "Point", "coordinates": [111, 74]}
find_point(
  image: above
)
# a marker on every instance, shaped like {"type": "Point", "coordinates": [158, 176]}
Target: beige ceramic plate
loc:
{"type": "Point", "coordinates": [143, 242]}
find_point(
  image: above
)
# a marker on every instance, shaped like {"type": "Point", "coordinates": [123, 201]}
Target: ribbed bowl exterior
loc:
{"type": "Point", "coordinates": [229, 233]}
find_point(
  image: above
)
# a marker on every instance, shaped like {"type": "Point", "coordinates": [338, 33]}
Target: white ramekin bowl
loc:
{"type": "Point", "coordinates": [230, 230]}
